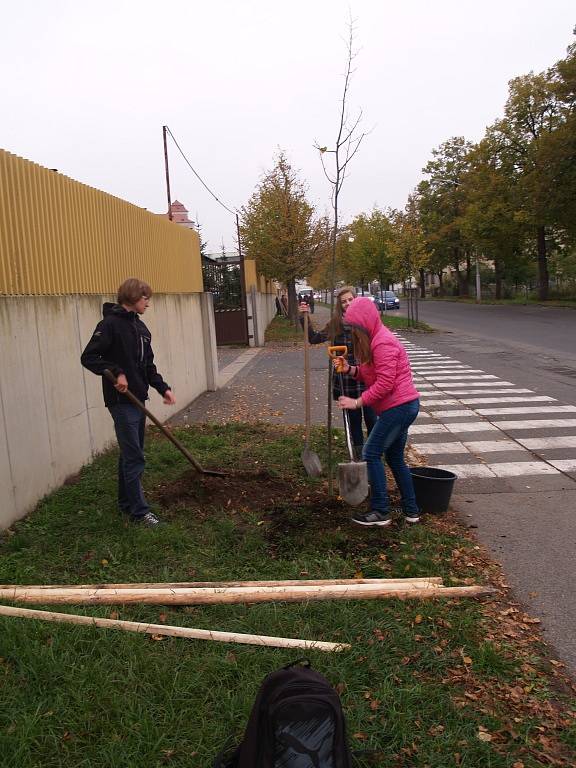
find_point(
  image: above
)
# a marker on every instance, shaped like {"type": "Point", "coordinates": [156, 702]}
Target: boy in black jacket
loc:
{"type": "Point", "coordinates": [121, 343]}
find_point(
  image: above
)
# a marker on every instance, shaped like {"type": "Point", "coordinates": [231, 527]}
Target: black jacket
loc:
{"type": "Point", "coordinates": [122, 343]}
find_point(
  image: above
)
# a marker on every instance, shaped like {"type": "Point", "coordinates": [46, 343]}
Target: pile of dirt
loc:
{"type": "Point", "coordinates": [241, 489]}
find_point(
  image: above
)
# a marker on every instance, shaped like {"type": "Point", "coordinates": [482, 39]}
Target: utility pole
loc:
{"type": "Point", "coordinates": [164, 130]}
{"type": "Point", "coordinates": [243, 282]}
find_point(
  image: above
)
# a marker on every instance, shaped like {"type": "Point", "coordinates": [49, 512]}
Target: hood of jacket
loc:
{"type": "Point", "coordinates": [110, 308]}
{"type": "Point", "coordinates": [363, 313]}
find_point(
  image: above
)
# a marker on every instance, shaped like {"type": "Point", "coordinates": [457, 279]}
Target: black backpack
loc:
{"type": "Point", "coordinates": [296, 722]}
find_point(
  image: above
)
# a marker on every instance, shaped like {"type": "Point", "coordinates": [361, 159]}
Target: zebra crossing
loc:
{"type": "Point", "coordinates": [481, 427]}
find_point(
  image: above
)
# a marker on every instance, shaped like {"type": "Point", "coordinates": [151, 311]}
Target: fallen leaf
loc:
{"type": "Point", "coordinates": [418, 619]}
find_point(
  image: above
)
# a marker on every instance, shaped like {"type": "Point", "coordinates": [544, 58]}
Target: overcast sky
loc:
{"type": "Point", "coordinates": [85, 87]}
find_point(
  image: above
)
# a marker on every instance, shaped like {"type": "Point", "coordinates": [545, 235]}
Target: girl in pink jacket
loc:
{"type": "Point", "coordinates": [384, 368]}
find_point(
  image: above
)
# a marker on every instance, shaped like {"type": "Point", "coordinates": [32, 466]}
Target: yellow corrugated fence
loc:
{"type": "Point", "coordinates": [58, 236]}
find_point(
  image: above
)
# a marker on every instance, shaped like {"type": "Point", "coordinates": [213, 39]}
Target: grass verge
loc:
{"type": "Point", "coordinates": [282, 330]}
{"type": "Point", "coordinates": [518, 300]}
{"type": "Point", "coordinates": [434, 683]}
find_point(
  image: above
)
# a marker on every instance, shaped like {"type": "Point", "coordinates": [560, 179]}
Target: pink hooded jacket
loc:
{"type": "Point", "coordinates": [388, 378]}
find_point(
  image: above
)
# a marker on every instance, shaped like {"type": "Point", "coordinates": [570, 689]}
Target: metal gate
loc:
{"type": "Point", "coordinates": [224, 280]}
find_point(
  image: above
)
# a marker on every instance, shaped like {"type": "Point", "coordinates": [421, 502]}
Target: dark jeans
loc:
{"type": "Point", "coordinates": [129, 423]}
{"type": "Point", "coordinates": [355, 421]}
{"type": "Point", "coordinates": [388, 438]}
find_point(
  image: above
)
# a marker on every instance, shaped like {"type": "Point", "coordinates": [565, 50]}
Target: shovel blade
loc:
{"type": "Point", "coordinates": [353, 482]}
{"type": "Point", "coordinates": [311, 462]}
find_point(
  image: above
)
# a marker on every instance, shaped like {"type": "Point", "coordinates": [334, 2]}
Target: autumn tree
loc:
{"type": "Point", "coordinates": [368, 255]}
{"type": "Point", "coordinates": [533, 114]}
{"type": "Point", "coordinates": [408, 250]}
{"type": "Point", "coordinates": [441, 204]}
{"type": "Point", "coordinates": [280, 231]}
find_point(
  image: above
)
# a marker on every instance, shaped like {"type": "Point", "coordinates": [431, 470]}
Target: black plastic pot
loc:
{"type": "Point", "coordinates": [433, 488]}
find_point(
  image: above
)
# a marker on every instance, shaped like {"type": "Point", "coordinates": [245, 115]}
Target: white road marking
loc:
{"type": "Point", "coordinates": [470, 426]}
{"type": "Point", "coordinates": [512, 391]}
{"type": "Point", "coordinates": [435, 367]}
{"type": "Point", "coordinates": [439, 402]}
{"type": "Point", "coordinates": [449, 414]}
{"type": "Point", "coordinates": [534, 399]}
{"type": "Point", "coordinates": [426, 429]}
{"type": "Point", "coordinates": [540, 443]}
{"type": "Point", "coordinates": [468, 470]}
{"type": "Point", "coordinates": [451, 384]}
{"type": "Point", "coordinates": [518, 468]}
{"type": "Point", "coordinates": [459, 377]}
{"type": "Point", "coordinates": [536, 424]}
{"type": "Point", "coordinates": [448, 372]}
{"type": "Point", "coordinates": [491, 446]}
{"type": "Point", "coordinates": [428, 448]}
{"type": "Point", "coordinates": [566, 465]}
{"type": "Point", "coordinates": [504, 469]}
{"type": "Point", "coordinates": [535, 409]}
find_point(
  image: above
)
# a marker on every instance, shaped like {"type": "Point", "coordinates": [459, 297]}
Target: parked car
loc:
{"type": "Point", "coordinates": [388, 300]}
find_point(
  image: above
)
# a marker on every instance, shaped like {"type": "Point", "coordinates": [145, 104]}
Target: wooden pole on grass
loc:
{"type": "Point", "coordinates": [168, 631]}
{"type": "Point", "coordinates": [232, 595]}
{"type": "Point", "coordinates": [421, 580]}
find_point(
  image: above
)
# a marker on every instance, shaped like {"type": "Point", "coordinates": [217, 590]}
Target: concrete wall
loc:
{"type": "Point", "coordinates": [262, 310]}
{"type": "Point", "coordinates": [52, 416]}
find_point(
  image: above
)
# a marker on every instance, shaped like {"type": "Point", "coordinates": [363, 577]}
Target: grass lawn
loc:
{"type": "Point", "coordinates": [521, 300]}
{"type": "Point", "coordinates": [426, 683]}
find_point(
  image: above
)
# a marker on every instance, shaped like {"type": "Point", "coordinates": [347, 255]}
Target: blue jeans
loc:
{"type": "Point", "coordinates": [129, 424]}
{"type": "Point", "coordinates": [355, 421]}
{"type": "Point", "coordinates": [388, 438]}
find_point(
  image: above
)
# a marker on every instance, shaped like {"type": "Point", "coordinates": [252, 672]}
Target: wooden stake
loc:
{"type": "Point", "coordinates": [162, 629]}
{"type": "Point", "coordinates": [421, 580]}
{"type": "Point", "coordinates": [230, 595]}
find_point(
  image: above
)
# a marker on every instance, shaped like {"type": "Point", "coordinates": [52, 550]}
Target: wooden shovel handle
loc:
{"type": "Point", "coordinates": [133, 399]}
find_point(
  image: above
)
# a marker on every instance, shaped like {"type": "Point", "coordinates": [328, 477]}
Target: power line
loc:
{"type": "Point", "coordinates": [200, 179]}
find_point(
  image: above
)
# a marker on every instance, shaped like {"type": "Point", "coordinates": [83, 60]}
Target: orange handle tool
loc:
{"type": "Point", "coordinates": [337, 351]}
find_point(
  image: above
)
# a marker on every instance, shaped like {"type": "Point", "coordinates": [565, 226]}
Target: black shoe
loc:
{"type": "Point", "coordinates": [149, 520]}
{"type": "Point", "coordinates": [412, 518]}
{"type": "Point", "coordinates": [380, 519]}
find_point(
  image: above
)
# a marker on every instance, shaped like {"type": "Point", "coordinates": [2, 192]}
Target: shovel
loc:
{"type": "Point", "coordinates": [184, 451]}
{"type": "Point", "coordinates": [352, 475]}
{"type": "Point", "coordinates": [310, 459]}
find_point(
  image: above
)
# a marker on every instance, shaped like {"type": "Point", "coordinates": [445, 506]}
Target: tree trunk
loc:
{"type": "Point", "coordinates": [440, 280]}
{"type": "Point", "coordinates": [422, 283]}
{"type": "Point", "coordinates": [498, 278]}
{"type": "Point", "coordinates": [456, 265]}
{"type": "Point", "coordinates": [292, 301]}
{"type": "Point", "coordinates": [468, 279]}
{"type": "Point", "coordinates": [542, 265]}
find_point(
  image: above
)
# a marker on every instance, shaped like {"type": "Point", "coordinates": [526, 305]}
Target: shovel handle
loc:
{"type": "Point", "coordinates": [337, 351]}
{"type": "Point", "coordinates": [133, 399]}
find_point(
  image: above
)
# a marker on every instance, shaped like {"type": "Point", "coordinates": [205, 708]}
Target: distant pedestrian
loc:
{"type": "Point", "coordinates": [122, 344]}
{"type": "Point", "coordinates": [384, 368]}
{"type": "Point", "coordinates": [278, 306]}
{"type": "Point", "coordinates": [338, 330]}
{"type": "Point", "coordinates": [284, 301]}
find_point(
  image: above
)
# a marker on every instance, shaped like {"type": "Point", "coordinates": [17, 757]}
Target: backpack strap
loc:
{"type": "Point", "coordinates": [299, 662]}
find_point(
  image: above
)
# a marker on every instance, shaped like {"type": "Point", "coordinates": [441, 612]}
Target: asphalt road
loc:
{"type": "Point", "coordinates": [549, 329]}
{"type": "Point", "coordinates": [527, 522]}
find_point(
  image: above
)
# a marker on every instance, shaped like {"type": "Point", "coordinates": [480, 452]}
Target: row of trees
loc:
{"type": "Point", "coordinates": [509, 200]}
